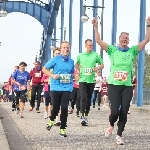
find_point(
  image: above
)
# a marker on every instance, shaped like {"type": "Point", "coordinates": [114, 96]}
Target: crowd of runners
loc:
{"type": "Point", "coordinates": [66, 84]}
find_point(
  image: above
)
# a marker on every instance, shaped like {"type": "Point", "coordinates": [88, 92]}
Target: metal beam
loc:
{"type": "Point", "coordinates": [140, 75]}
{"type": "Point", "coordinates": [95, 3]}
{"type": "Point", "coordinates": [70, 22]}
{"type": "Point", "coordinates": [114, 23]}
{"type": "Point", "coordinates": [81, 27]}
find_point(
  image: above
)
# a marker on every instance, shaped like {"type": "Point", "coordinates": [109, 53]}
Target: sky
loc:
{"type": "Point", "coordinates": [20, 34]}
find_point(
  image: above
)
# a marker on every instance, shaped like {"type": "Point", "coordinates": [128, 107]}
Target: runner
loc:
{"type": "Point", "coordinates": [120, 86]}
{"type": "Point", "coordinates": [37, 87]}
{"type": "Point", "coordinates": [11, 89]}
{"type": "Point", "coordinates": [104, 92]}
{"type": "Point", "coordinates": [61, 85]}
{"type": "Point", "coordinates": [76, 95]}
{"type": "Point", "coordinates": [21, 80]}
{"type": "Point", "coordinates": [86, 68]}
{"type": "Point", "coordinates": [97, 89]}
{"type": "Point", "coordinates": [56, 52]}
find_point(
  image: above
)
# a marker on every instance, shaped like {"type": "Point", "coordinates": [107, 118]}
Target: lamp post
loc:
{"type": "Point", "coordinates": [52, 47]}
{"type": "Point", "coordinates": [85, 18]}
{"type": "Point", "coordinates": [3, 13]}
{"type": "Point", "coordinates": [65, 33]}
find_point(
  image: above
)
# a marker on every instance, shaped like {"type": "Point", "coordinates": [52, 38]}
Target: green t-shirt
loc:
{"type": "Point", "coordinates": [87, 62]}
{"type": "Point", "coordinates": [121, 65]}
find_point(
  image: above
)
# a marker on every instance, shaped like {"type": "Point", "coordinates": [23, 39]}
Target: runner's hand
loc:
{"type": "Point", "coordinates": [55, 76]}
{"type": "Point", "coordinates": [95, 69]}
{"type": "Point", "coordinates": [148, 21]}
{"type": "Point", "coordinates": [18, 83]}
{"type": "Point", "coordinates": [95, 22]}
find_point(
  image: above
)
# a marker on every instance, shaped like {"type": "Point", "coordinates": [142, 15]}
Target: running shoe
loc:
{"type": "Point", "coordinates": [119, 140]}
{"type": "Point", "coordinates": [108, 131]}
{"type": "Point", "coordinates": [49, 125]}
{"type": "Point", "coordinates": [21, 115]}
{"type": "Point", "coordinates": [57, 123]}
{"type": "Point", "coordinates": [45, 115]}
{"type": "Point", "coordinates": [31, 108]}
{"type": "Point", "coordinates": [62, 133]}
{"type": "Point", "coordinates": [84, 121]}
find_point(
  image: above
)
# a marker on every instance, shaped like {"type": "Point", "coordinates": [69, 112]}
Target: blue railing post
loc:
{"type": "Point", "coordinates": [140, 74]}
{"type": "Point", "coordinates": [81, 27]}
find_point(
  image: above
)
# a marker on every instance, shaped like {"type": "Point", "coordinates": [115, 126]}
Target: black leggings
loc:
{"type": "Point", "coordinates": [96, 92]}
{"type": "Point", "coordinates": [86, 91]}
{"type": "Point", "coordinates": [20, 95]}
{"type": "Point", "coordinates": [36, 89]}
{"type": "Point", "coordinates": [60, 99]}
{"type": "Point", "coordinates": [119, 95]}
{"type": "Point", "coordinates": [75, 99]}
{"type": "Point", "coordinates": [13, 99]}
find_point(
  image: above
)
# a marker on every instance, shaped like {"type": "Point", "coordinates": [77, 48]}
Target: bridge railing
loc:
{"type": "Point", "coordinates": [146, 97]}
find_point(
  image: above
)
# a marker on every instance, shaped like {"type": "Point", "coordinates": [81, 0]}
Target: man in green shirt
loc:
{"type": "Point", "coordinates": [86, 68]}
{"type": "Point", "coordinates": [120, 85]}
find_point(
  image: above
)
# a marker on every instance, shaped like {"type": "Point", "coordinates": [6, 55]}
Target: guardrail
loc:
{"type": "Point", "coordinates": [146, 97]}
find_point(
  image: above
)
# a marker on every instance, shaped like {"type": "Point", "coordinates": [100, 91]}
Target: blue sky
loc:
{"type": "Point", "coordinates": [20, 34]}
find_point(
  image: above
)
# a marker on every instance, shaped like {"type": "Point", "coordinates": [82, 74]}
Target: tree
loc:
{"type": "Point", "coordinates": [146, 69]}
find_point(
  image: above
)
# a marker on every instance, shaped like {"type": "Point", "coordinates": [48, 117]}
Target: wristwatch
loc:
{"type": "Point", "coordinates": [148, 25]}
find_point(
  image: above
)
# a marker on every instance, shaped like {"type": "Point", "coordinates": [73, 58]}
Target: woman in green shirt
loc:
{"type": "Point", "coordinates": [120, 85]}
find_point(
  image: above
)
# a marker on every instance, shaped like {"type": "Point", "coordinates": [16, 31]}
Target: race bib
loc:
{"type": "Point", "coordinates": [38, 74]}
{"type": "Point", "coordinates": [88, 71]}
{"type": "Point", "coordinates": [121, 75]}
{"type": "Point", "coordinates": [65, 78]}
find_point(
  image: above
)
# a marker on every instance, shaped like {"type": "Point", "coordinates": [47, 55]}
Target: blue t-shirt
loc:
{"type": "Point", "coordinates": [64, 69]}
{"type": "Point", "coordinates": [21, 77]}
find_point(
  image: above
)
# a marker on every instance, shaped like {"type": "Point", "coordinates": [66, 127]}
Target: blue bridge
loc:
{"type": "Point", "coordinates": [46, 14]}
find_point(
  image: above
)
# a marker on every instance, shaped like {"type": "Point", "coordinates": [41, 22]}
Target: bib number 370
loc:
{"type": "Point", "coordinates": [121, 75]}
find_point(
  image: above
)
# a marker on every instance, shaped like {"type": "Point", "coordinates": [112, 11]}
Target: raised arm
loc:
{"type": "Point", "coordinates": [142, 44]}
{"type": "Point", "coordinates": [102, 44]}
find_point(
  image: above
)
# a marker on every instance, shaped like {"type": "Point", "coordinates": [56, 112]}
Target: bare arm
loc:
{"type": "Point", "coordinates": [142, 44]}
{"type": "Point", "coordinates": [102, 44]}
{"type": "Point", "coordinates": [47, 72]}
{"type": "Point", "coordinates": [77, 67]}
{"type": "Point", "coordinates": [101, 66]}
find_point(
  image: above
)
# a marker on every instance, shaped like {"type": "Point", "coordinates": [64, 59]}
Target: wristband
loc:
{"type": "Point", "coordinates": [148, 25]}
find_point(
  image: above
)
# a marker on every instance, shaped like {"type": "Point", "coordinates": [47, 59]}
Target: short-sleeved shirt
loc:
{"type": "Point", "coordinates": [64, 69]}
{"type": "Point", "coordinates": [87, 62]}
{"type": "Point", "coordinates": [22, 78]}
{"type": "Point", "coordinates": [121, 65]}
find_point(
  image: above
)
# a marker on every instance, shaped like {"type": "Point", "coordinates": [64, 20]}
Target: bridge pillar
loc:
{"type": "Point", "coordinates": [48, 50]}
{"type": "Point", "coordinates": [81, 27]}
{"type": "Point", "coordinates": [114, 23]}
{"type": "Point", "coordinates": [140, 74]}
{"type": "Point", "coordinates": [62, 20]}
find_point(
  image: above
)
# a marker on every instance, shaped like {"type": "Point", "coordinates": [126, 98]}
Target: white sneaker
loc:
{"type": "Point", "coordinates": [45, 115]}
{"type": "Point", "coordinates": [105, 106]}
{"type": "Point", "coordinates": [108, 131]}
{"type": "Point", "coordinates": [119, 140]}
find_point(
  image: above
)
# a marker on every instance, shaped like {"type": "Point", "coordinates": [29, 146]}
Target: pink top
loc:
{"type": "Point", "coordinates": [75, 83]}
{"type": "Point", "coordinates": [46, 85]}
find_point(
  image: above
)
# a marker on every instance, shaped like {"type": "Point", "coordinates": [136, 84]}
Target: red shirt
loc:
{"type": "Point", "coordinates": [36, 76]}
{"type": "Point", "coordinates": [134, 81]}
{"type": "Point", "coordinates": [75, 83]}
{"type": "Point", "coordinates": [104, 88]}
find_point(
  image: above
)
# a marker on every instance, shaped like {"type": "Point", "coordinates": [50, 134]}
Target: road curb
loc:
{"type": "Point", "coordinates": [143, 110]}
{"type": "Point", "coordinates": [15, 138]}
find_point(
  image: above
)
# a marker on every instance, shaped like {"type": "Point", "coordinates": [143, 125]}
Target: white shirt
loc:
{"type": "Point", "coordinates": [98, 84]}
